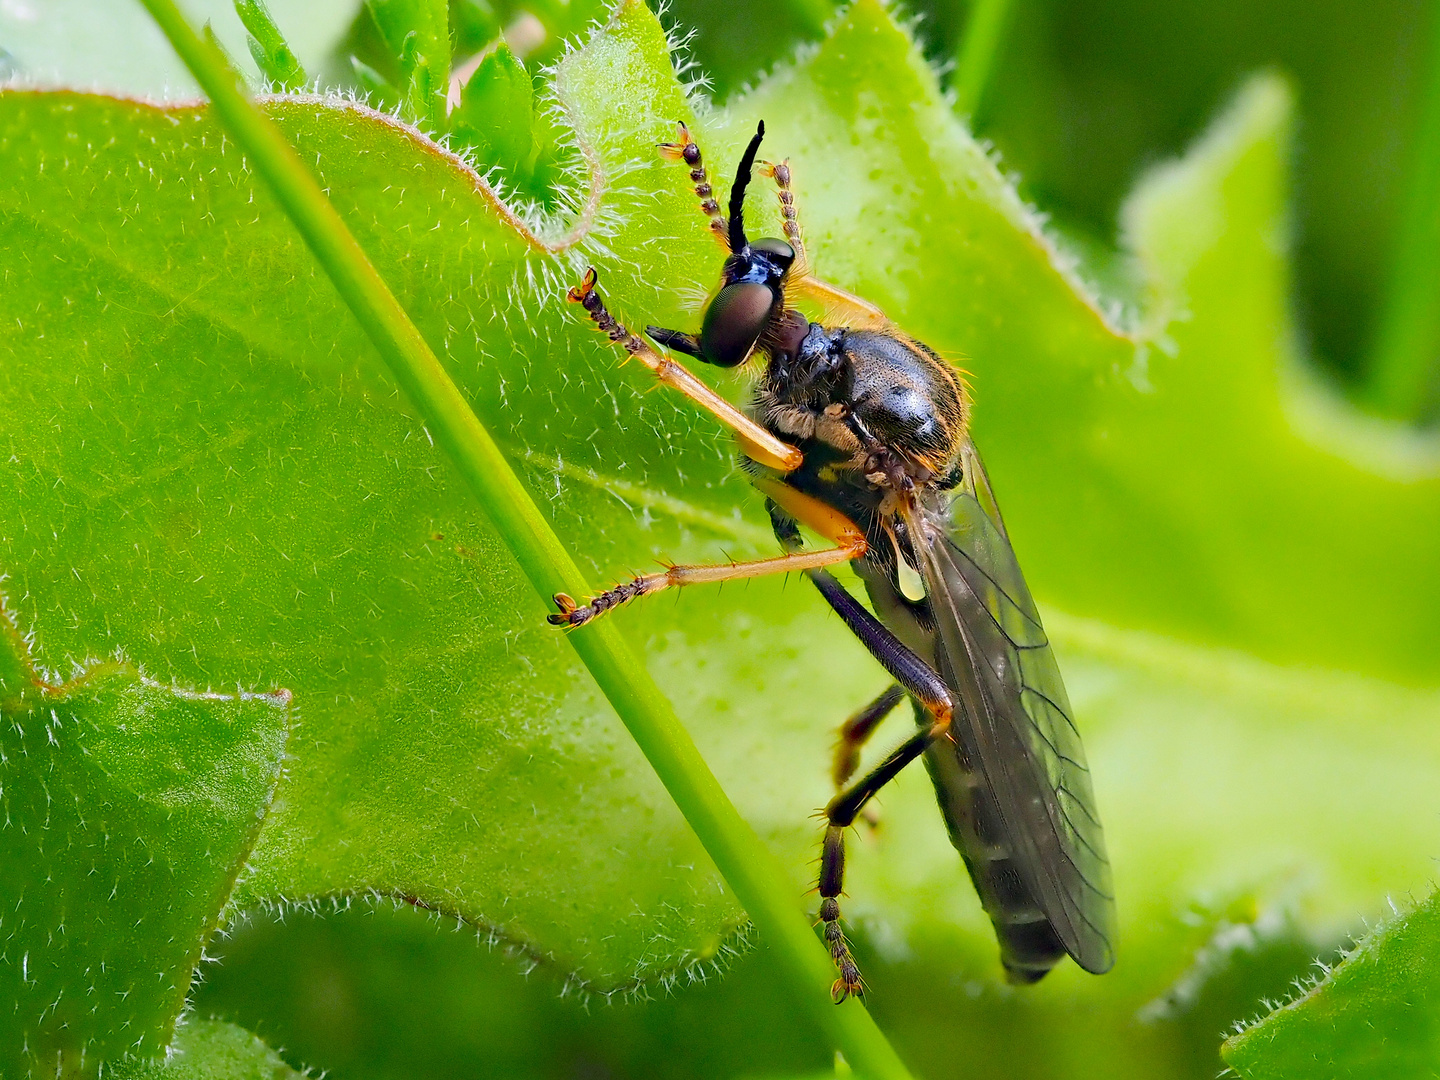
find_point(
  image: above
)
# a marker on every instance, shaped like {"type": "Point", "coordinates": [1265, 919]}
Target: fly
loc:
{"type": "Point", "coordinates": [860, 432]}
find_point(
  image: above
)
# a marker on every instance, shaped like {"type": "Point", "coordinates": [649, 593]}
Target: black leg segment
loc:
{"type": "Point", "coordinates": [678, 340]}
{"type": "Point", "coordinates": [911, 672]}
{"type": "Point", "coordinates": [839, 815]}
{"type": "Point", "coordinates": [856, 731]}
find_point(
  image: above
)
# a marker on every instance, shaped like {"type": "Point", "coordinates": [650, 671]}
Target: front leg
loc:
{"type": "Point", "coordinates": [840, 306]}
{"type": "Point", "coordinates": [687, 150]}
{"type": "Point", "coordinates": [758, 444]}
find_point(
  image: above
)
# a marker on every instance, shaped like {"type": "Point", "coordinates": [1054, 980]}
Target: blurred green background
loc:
{"type": "Point", "coordinates": [1083, 98]}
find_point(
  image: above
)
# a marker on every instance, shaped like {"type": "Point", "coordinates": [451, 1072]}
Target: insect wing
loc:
{"type": "Point", "coordinates": [1011, 697]}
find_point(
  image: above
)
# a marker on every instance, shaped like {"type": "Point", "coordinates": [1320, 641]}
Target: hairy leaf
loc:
{"type": "Point", "coordinates": [115, 47]}
{"type": "Point", "coordinates": [496, 117]}
{"type": "Point", "coordinates": [418, 33]}
{"type": "Point", "coordinates": [126, 811]}
{"type": "Point", "coordinates": [268, 47]}
{"type": "Point", "coordinates": [1375, 1015]}
{"type": "Point", "coordinates": [205, 465]}
{"type": "Point", "coordinates": [211, 1050]}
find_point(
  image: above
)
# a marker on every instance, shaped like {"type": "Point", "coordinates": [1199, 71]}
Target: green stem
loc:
{"type": "Point", "coordinates": [1405, 357]}
{"type": "Point", "coordinates": [749, 867]}
{"type": "Point", "coordinates": [984, 30]}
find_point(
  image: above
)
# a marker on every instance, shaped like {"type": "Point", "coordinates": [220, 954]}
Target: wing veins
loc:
{"type": "Point", "coordinates": [1049, 844]}
{"type": "Point", "coordinates": [1045, 638]}
{"type": "Point", "coordinates": [1054, 705]}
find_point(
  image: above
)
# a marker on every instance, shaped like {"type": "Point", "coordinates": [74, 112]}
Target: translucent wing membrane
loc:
{"type": "Point", "coordinates": [1013, 721]}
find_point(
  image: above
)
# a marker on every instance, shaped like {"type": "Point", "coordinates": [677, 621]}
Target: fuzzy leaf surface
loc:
{"type": "Point", "coordinates": [275, 515]}
{"type": "Point", "coordinates": [126, 811]}
{"type": "Point", "coordinates": [116, 47]}
{"type": "Point", "coordinates": [1375, 1015]}
{"type": "Point", "coordinates": [212, 1050]}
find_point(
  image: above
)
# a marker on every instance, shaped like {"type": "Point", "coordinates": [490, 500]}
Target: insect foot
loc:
{"type": "Point", "coordinates": [573, 614]}
{"type": "Point", "coordinates": [832, 871]}
{"type": "Point", "coordinates": [567, 607]}
{"type": "Point", "coordinates": [849, 983]}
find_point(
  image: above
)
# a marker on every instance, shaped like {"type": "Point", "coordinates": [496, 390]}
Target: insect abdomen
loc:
{"type": "Point", "coordinates": [1029, 944]}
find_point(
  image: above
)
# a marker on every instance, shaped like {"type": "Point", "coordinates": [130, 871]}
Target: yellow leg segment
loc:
{"type": "Point", "coordinates": [849, 543]}
{"type": "Point", "coordinates": [758, 444]}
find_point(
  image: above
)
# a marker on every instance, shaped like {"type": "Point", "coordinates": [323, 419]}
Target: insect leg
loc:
{"type": "Point", "coordinates": [840, 305]}
{"type": "Point", "coordinates": [687, 150]}
{"type": "Point", "coordinates": [906, 668]}
{"type": "Point", "coordinates": [789, 216]}
{"type": "Point", "coordinates": [840, 814]}
{"type": "Point", "coordinates": [909, 670]}
{"type": "Point", "coordinates": [849, 540]}
{"type": "Point", "coordinates": [856, 731]}
{"type": "Point", "coordinates": [757, 443]}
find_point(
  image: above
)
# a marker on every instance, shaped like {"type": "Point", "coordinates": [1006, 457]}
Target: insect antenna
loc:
{"type": "Point", "coordinates": [737, 190]}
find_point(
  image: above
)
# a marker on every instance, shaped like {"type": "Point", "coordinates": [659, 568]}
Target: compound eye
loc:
{"type": "Point", "coordinates": [779, 251]}
{"type": "Point", "coordinates": [734, 321]}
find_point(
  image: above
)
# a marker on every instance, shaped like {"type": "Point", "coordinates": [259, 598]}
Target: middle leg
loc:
{"type": "Point", "coordinates": [849, 540]}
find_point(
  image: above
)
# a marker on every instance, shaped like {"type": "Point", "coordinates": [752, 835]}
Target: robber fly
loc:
{"type": "Point", "coordinates": [861, 433]}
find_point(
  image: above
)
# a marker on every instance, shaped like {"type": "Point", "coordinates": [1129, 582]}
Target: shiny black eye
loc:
{"type": "Point", "coordinates": [778, 251]}
{"type": "Point", "coordinates": [734, 321]}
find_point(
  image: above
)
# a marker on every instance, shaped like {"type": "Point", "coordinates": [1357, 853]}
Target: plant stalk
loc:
{"type": "Point", "coordinates": [1405, 357]}
{"type": "Point", "coordinates": [751, 870]}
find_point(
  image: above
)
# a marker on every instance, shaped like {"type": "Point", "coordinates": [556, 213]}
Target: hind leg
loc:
{"type": "Point", "coordinates": [856, 732]}
{"type": "Point", "coordinates": [840, 814]}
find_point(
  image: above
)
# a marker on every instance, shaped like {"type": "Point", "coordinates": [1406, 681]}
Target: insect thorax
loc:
{"type": "Point", "coordinates": [860, 392]}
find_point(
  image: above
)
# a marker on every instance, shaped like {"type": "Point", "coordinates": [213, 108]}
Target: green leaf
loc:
{"type": "Point", "coordinates": [496, 117]}
{"type": "Point", "coordinates": [279, 517]}
{"type": "Point", "coordinates": [561, 20]}
{"type": "Point", "coordinates": [418, 33]}
{"type": "Point", "coordinates": [1375, 1015]}
{"type": "Point", "coordinates": [126, 811]}
{"type": "Point", "coordinates": [268, 46]}
{"type": "Point", "coordinates": [210, 1050]}
{"type": "Point", "coordinates": [105, 45]}
{"type": "Point", "coordinates": [418, 653]}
